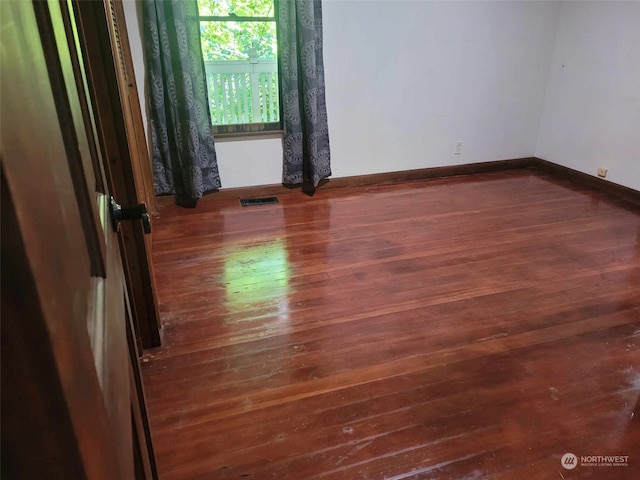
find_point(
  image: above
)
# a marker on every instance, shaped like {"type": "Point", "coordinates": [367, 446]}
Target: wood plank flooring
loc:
{"type": "Point", "coordinates": [462, 328]}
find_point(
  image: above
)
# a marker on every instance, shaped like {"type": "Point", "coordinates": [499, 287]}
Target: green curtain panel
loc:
{"type": "Point", "coordinates": [184, 155]}
{"type": "Point", "coordinates": [306, 135]}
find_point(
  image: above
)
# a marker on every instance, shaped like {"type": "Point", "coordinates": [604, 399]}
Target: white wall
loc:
{"type": "Point", "coordinates": [249, 162]}
{"type": "Point", "coordinates": [591, 114]}
{"type": "Point", "coordinates": [406, 80]}
{"type": "Point", "coordinates": [134, 32]}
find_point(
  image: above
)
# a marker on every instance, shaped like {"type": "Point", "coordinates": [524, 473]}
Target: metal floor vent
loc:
{"type": "Point", "coordinates": [248, 202]}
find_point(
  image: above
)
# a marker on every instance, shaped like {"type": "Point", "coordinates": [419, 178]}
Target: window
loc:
{"type": "Point", "coordinates": [239, 46]}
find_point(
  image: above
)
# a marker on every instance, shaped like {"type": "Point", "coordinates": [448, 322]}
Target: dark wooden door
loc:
{"type": "Point", "coordinates": [112, 84]}
{"type": "Point", "coordinates": [72, 399]}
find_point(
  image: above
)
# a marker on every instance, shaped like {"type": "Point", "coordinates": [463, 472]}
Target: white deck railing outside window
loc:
{"type": "Point", "coordinates": [243, 91]}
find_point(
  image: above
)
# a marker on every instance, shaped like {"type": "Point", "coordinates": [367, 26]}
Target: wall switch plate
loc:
{"type": "Point", "coordinates": [602, 172]}
{"type": "Point", "coordinates": [457, 149]}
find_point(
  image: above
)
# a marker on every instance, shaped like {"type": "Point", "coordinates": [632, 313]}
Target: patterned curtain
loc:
{"type": "Point", "coordinates": [306, 135]}
{"type": "Point", "coordinates": [184, 155]}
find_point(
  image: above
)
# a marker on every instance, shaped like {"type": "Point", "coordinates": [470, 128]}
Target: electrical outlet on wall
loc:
{"type": "Point", "coordinates": [457, 149]}
{"type": "Point", "coordinates": [602, 172]}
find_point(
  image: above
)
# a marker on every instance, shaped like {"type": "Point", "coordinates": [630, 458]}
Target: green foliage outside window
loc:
{"type": "Point", "coordinates": [229, 40]}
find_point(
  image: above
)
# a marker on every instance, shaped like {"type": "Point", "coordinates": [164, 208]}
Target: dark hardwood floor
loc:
{"type": "Point", "coordinates": [462, 328]}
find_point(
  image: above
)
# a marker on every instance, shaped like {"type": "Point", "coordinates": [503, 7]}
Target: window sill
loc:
{"type": "Point", "coordinates": [235, 137]}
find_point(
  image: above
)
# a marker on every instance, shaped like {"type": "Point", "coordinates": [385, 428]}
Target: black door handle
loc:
{"type": "Point", "coordinates": [139, 212]}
